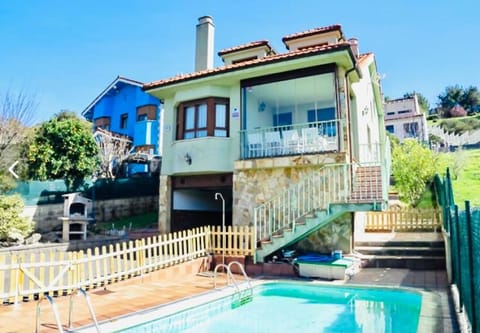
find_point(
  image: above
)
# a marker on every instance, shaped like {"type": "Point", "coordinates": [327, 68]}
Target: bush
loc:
{"type": "Point", "coordinates": [413, 166]}
{"type": "Point", "coordinates": [460, 125]}
{"type": "Point", "coordinates": [13, 227]}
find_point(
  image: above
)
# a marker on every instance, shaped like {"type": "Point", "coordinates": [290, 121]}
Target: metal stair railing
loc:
{"type": "Point", "coordinates": [316, 191]}
{"type": "Point", "coordinates": [238, 297]}
{"type": "Point", "coordinates": [332, 183]}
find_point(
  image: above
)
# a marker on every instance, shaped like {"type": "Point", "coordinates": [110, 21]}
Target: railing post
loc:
{"type": "Point", "coordinates": [457, 271]}
{"type": "Point", "coordinates": [19, 276]}
{"type": "Point", "coordinates": [471, 269]}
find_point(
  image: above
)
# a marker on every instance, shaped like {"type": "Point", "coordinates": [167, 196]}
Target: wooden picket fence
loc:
{"type": "Point", "coordinates": [404, 220]}
{"type": "Point", "coordinates": [26, 276]}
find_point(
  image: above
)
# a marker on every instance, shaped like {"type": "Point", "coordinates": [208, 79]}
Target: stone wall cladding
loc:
{"type": "Point", "coordinates": [336, 235]}
{"type": "Point", "coordinates": [257, 181]}
{"type": "Point", "coordinates": [46, 216]}
{"type": "Point", "coordinates": [164, 204]}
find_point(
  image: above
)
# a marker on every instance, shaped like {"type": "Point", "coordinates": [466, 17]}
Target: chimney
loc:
{"type": "Point", "coordinates": [354, 44]}
{"type": "Point", "coordinates": [204, 44]}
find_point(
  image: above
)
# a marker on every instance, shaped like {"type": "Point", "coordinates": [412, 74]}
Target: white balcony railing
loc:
{"type": "Point", "coordinates": [307, 138]}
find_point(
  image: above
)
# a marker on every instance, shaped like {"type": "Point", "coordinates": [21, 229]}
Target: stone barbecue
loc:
{"type": "Point", "coordinates": [75, 216]}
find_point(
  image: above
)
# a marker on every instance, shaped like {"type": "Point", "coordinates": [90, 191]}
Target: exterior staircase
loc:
{"type": "Point", "coordinates": [303, 227]}
{"type": "Point", "coordinates": [368, 184]}
{"type": "Point", "coordinates": [415, 251]}
{"type": "Point", "coordinates": [314, 202]}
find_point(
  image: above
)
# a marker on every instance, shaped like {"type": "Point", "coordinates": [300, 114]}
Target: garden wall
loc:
{"type": "Point", "coordinates": [46, 217]}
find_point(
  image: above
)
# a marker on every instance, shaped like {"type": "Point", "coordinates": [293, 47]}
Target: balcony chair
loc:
{"type": "Point", "coordinates": [273, 143]}
{"type": "Point", "coordinates": [291, 142]}
{"type": "Point", "coordinates": [255, 145]}
{"type": "Point", "coordinates": [311, 141]}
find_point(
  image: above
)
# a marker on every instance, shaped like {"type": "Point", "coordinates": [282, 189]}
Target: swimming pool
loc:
{"type": "Point", "coordinates": [290, 307]}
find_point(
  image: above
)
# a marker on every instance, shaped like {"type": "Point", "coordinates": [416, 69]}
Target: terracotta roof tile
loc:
{"type": "Point", "coordinates": [364, 57]}
{"type": "Point", "coordinates": [249, 63]}
{"type": "Point", "coordinates": [245, 47]}
{"type": "Point", "coordinates": [313, 32]}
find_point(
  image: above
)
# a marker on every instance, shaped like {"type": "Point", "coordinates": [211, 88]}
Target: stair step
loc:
{"type": "Point", "coordinates": [400, 250]}
{"type": "Point", "coordinates": [434, 244]}
{"type": "Point", "coordinates": [410, 262]}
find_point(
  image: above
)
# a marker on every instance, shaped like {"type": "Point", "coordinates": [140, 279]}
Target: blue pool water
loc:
{"type": "Point", "coordinates": [299, 307]}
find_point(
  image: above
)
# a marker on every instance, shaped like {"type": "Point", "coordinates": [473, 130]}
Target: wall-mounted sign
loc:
{"type": "Point", "coordinates": [235, 113]}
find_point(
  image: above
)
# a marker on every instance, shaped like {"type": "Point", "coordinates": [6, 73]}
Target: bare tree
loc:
{"type": "Point", "coordinates": [17, 110]}
{"type": "Point", "coordinates": [16, 113]}
{"type": "Point", "coordinates": [113, 148]}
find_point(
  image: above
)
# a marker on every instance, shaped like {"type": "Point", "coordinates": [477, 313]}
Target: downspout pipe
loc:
{"type": "Point", "coordinates": [347, 103]}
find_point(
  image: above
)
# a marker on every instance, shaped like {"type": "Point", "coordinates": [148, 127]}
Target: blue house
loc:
{"type": "Point", "coordinates": [123, 108]}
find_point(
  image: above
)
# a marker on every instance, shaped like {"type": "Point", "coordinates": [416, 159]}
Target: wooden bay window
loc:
{"type": "Point", "coordinates": [201, 118]}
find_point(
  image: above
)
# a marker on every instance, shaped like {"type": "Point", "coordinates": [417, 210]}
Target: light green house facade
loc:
{"type": "Point", "coordinates": [263, 123]}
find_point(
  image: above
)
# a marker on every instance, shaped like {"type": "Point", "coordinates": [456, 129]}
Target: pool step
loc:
{"type": "Point", "coordinates": [415, 255]}
{"type": "Point", "coordinates": [242, 301]}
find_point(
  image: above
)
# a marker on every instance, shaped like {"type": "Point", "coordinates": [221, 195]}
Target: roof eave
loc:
{"type": "Point", "coordinates": [108, 88]}
{"type": "Point", "coordinates": [150, 87]}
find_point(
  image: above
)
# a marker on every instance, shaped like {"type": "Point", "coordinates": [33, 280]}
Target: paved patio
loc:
{"type": "Point", "coordinates": [181, 281]}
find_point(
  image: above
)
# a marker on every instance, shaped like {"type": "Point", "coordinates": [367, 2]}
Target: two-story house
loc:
{"type": "Point", "coordinates": [282, 136]}
{"type": "Point", "coordinates": [404, 119]}
{"type": "Point", "coordinates": [124, 109]}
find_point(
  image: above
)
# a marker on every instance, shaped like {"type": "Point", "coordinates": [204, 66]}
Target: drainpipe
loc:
{"type": "Point", "coordinates": [347, 103]}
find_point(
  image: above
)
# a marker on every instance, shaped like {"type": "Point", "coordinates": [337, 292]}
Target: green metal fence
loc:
{"type": "Point", "coordinates": [462, 227]}
{"type": "Point", "coordinates": [50, 192]}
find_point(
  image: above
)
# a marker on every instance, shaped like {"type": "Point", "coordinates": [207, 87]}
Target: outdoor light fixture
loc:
{"type": "Point", "coordinates": [262, 107]}
{"type": "Point", "coordinates": [188, 158]}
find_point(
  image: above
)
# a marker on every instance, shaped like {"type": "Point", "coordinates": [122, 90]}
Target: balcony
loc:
{"type": "Point", "coordinates": [298, 139]}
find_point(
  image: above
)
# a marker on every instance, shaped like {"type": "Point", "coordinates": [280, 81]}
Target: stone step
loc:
{"type": "Point", "coordinates": [410, 262]}
{"type": "Point", "coordinates": [401, 243]}
{"type": "Point", "coordinates": [401, 250]}
{"type": "Point", "coordinates": [423, 253]}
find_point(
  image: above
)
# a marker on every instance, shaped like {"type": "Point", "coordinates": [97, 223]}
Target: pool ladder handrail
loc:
{"type": "Point", "coordinates": [90, 309]}
{"type": "Point", "coordinates": [55, 313]}
{"type": "Point", "coordinates": [249, 291]}
{"type": "Point", "coordinates": [70, 311]}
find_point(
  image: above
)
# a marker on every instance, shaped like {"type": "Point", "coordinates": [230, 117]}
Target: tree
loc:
{"type": "Point", "coordinates": [468, 99]}
{"type": "Point", "coordinates": [113, 150]}
{"type": "Point", "coordinates": [422, 101]}
{"type": "Point", "coordinates": [413, 166]}
{"type": "Point", "coordinates": [13, 227]}
{"type": "Point", "coordinates": [62, 147]}
{"type": "Point", "coordinates": [16, 114]}
{"type": "Point", "coordinates": [471, 100]}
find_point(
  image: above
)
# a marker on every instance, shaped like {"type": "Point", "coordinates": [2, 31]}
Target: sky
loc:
{"type": "Point", "coordinates": [64, 53]}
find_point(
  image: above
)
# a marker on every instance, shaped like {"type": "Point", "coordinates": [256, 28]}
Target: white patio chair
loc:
{"type": "Point", "coordinates": [255, 144]}
{"type": "Point", "coordinates": [291, 141]}
{"type": "Point", "coordinates": [310, 142]}
{"type": "Point", "coordinates": [273, 143]}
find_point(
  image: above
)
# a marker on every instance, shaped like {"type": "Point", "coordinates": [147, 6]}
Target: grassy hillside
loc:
{"type": "Point", "coordinates": [465, 170]}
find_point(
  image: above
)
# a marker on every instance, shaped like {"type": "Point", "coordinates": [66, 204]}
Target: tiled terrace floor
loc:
{"type": "Point", "coordinates": [178, 282]}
